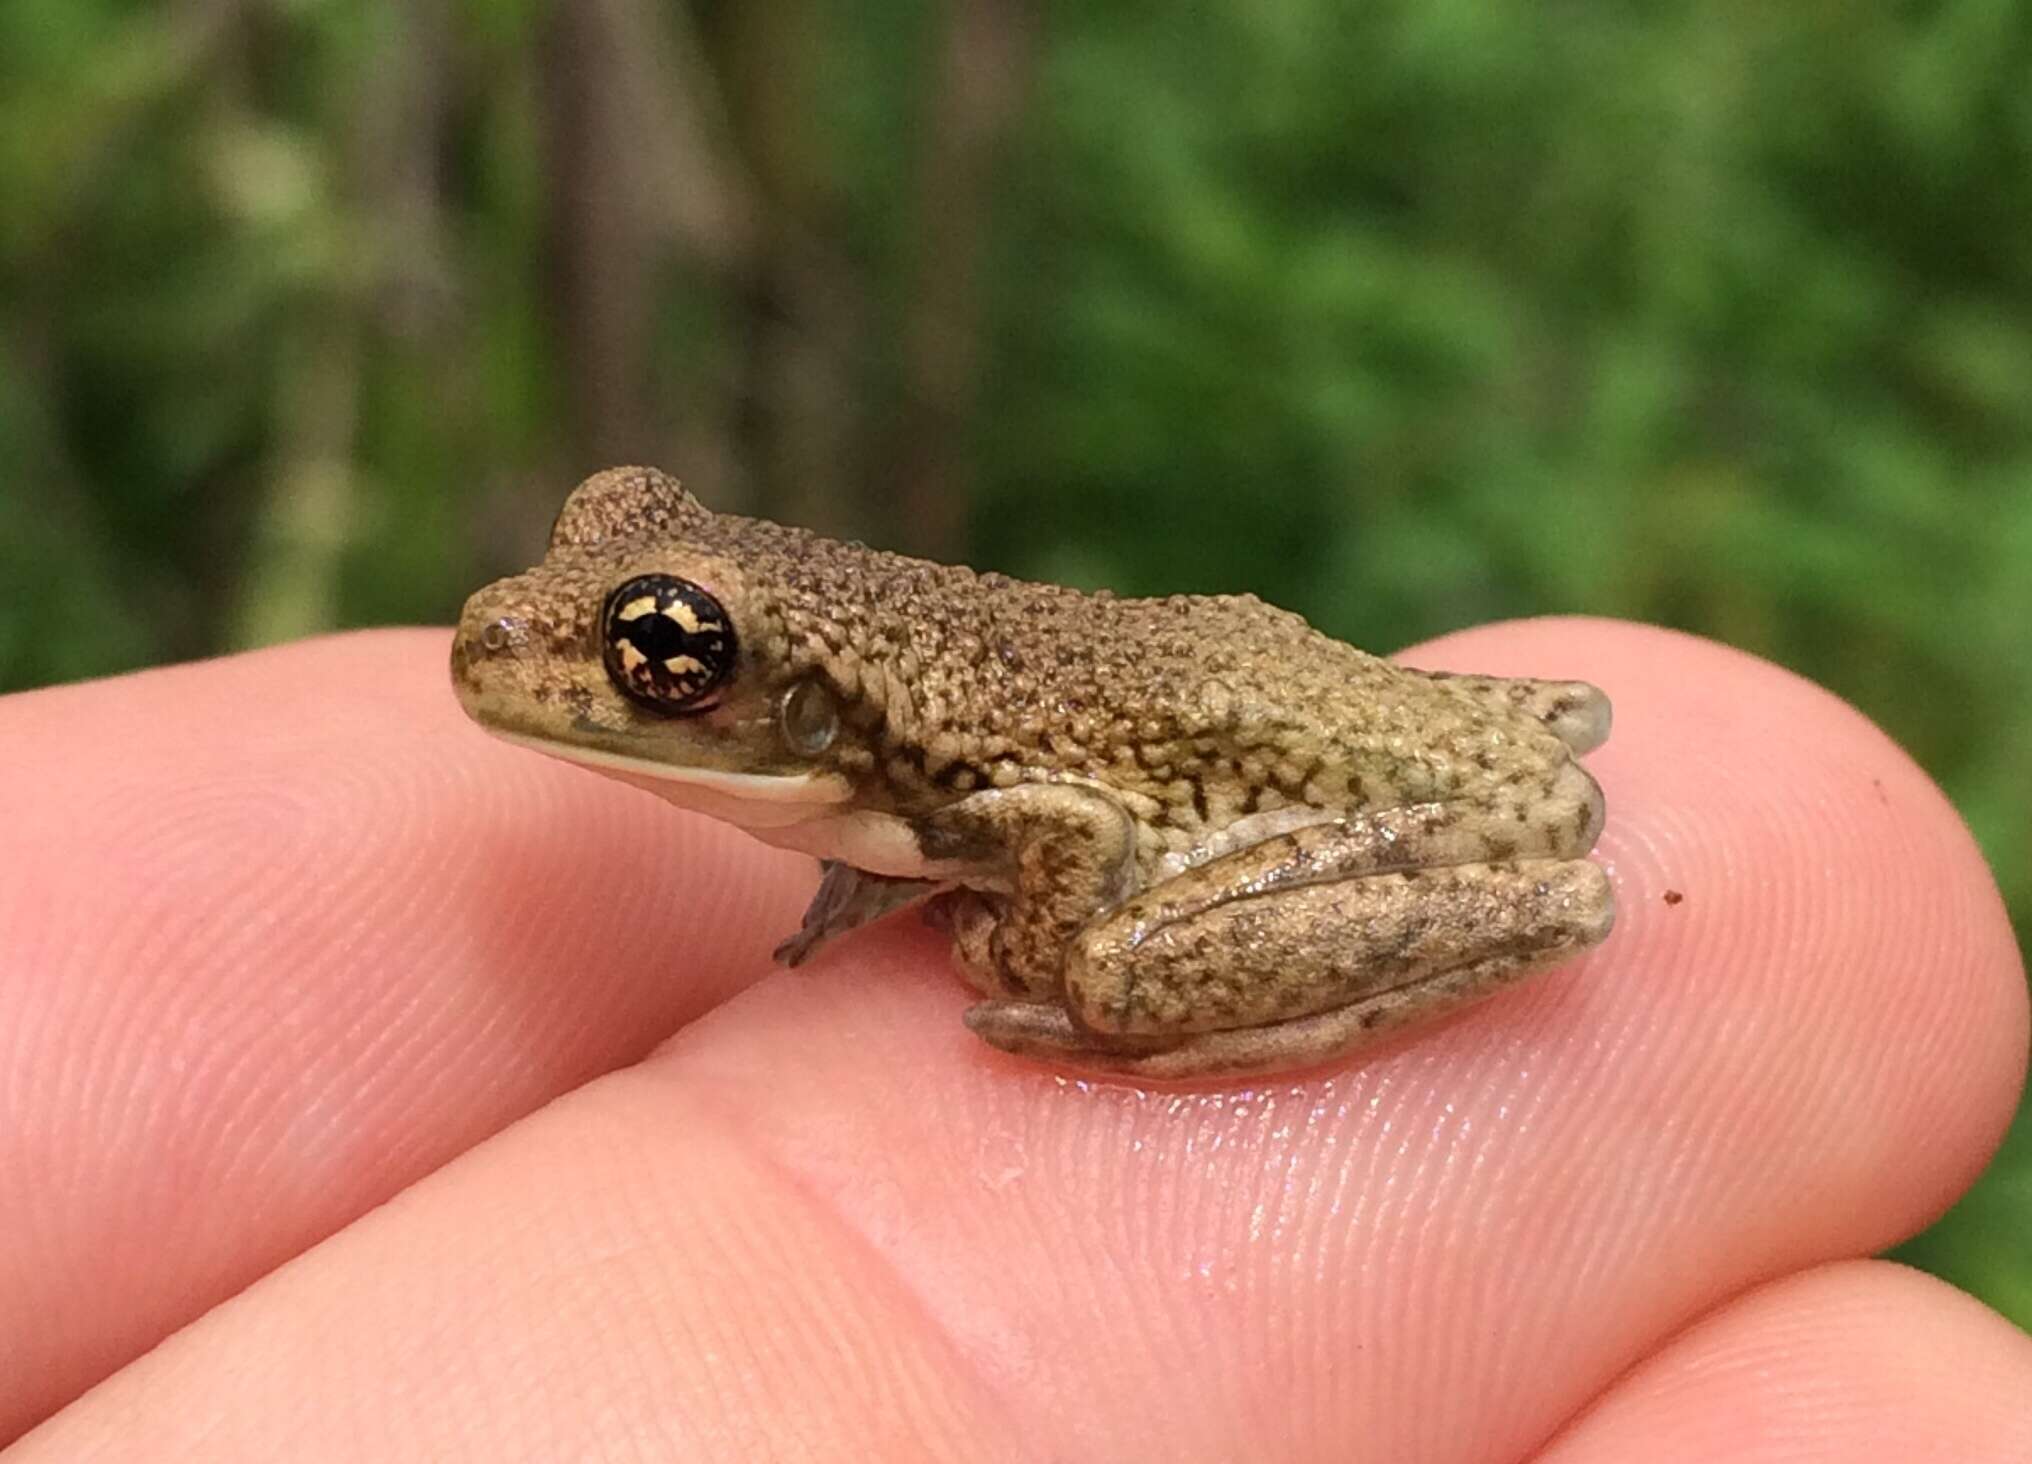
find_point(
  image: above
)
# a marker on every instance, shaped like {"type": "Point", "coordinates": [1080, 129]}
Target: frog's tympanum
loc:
{"type": "Point", "coordinates": [1169, 837]}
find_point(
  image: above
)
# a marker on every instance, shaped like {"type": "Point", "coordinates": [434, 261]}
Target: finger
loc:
{"type": "Point", "coordinates": [281, 933]}
{"type": "Point", "coordinates": [643, 1287]}
{"type": "Point", "coordinates": [1442, 1251]}
{"type": "Point", "coordinates": [1853, 1362]}
{"type": "Point", "coordinates": [1803, 1040]}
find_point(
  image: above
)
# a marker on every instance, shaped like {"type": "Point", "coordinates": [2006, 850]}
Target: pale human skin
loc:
{"type": "Point", "coordinates": [282, 938]}
{"type": "Point", "coordinates": [1172, 837]}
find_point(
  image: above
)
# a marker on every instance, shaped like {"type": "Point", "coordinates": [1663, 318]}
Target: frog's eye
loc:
{"type": "Point", "coordinates": [668, 644]}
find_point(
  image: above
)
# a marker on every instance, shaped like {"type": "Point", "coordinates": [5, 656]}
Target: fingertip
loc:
{"type": "Point", "coordinates": [1861, 1360]}
{"type": "Point", "coordinates": [1781, 861]}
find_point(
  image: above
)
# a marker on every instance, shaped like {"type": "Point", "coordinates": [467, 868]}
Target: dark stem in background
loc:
{"type": "Point", "coordinates": [803, 312]}
{"type": "Point", "coordinates": [634, 176]}
{"type": "Point", "coordinates": [984, 65]}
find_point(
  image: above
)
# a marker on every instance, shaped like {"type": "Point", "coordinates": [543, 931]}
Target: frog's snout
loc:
{"type": "Point", "coordinates": [503, 648]}
{"type": "Point", "coordinates": [489, 630]}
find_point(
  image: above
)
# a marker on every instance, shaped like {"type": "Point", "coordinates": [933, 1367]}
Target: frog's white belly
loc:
{"type": "Point", "coordinates": [803, 811]}
{"type": "Point", "coordinates": [878, 843]}
{"type": "Point", "coordinates": [792, 811]}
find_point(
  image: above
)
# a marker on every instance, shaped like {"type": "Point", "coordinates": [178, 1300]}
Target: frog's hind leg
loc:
{"type": "Point", "coordinates": [1047, 1033]}
{"type": "Point", "coordinates": [1307, 973]}
{"type": "Point", "coordinates": [970, 917]}
{"type": "Point", "coordinates": [1062, 851]}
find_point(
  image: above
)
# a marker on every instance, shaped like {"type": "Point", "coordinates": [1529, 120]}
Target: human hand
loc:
{"type": "Point", "coordinates": [283, 937]}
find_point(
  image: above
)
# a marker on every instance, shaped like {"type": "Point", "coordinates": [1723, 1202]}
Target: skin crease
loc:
{"type": "Point", "coordinates": [311, 938]}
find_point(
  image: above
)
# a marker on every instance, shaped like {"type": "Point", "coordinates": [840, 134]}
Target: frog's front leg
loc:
{"type": "Point", "coordinates": [1056, 853]}
{"type": "Point", "coordinates": [846, 899]}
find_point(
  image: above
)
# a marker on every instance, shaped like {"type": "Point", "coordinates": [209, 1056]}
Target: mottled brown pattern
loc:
{"type": "Point", "coordinates": [1196, 708]}
{"type": "Point", "coordinates": [1064, 751]}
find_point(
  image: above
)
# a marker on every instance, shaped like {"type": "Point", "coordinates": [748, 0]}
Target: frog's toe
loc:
{"type": "Point", "coordinates": [1045, 1030]}
{"type": "Point", "coordinates": [1577, 714]}
{"type": "Point", "coordinates": [1023, 1026]}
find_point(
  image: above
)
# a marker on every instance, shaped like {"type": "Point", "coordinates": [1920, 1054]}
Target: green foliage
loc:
{"type": "Point", "coordinates": [1407, 315]}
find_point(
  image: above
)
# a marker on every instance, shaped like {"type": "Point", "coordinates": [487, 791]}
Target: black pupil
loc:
{"type": "Point", "coordinates": [656, 636]}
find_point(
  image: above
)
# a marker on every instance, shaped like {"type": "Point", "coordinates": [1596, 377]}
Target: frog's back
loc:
{"type": "Point", "coordinates": [1044, 668]}
{"type": "Point", "coordinates": [1203, 708]}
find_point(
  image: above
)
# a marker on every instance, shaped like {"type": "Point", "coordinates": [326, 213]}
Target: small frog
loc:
{"type": "Point", "coordinates": [1169, 837]}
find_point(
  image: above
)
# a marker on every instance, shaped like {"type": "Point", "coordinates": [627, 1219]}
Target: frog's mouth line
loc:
{"type": "Point", "coordinates": [755, 800]}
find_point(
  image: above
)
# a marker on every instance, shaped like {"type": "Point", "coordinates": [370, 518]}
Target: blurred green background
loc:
{"type": "Point", "coordinates": [1406, 315]}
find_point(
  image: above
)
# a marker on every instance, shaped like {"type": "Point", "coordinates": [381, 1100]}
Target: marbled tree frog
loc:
{"type": "Point", "coordinates": [1169, 837]}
